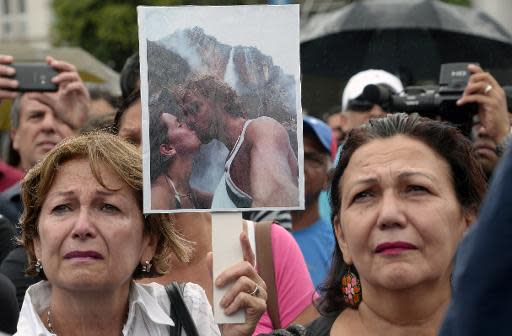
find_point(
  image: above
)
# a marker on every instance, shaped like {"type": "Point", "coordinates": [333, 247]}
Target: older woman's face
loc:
{"type": "Point", "coordinates": [400, 220]}
{"type": "Point", "coordinates": [179, 134]}
{"type": "Point", "coordinates": [90, 237]}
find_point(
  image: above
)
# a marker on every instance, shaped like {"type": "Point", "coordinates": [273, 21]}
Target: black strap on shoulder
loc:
{"type": "Point", "coordinates": [322, 325]}
{"type": "Point", "coordinates": [179, 312]}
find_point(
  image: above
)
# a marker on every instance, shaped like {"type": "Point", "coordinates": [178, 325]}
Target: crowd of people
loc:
{"type": "Point", "coordinates": [398, 220]}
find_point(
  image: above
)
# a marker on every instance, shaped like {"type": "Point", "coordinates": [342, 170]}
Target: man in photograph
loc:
{"type": "Point", "coordinates": [261, 169]}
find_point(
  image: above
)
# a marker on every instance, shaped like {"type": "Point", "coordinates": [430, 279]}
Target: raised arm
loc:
{"type": "Point", "coordinates": [73, 102]}
{"type": "Point", "coordinates": [484, 90]}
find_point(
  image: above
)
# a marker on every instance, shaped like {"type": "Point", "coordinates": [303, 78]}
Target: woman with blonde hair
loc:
{"type": "Point", "coordinates": [85, 234]}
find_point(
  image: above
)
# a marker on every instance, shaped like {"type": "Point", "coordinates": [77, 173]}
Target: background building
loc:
{"type": "Point", "coordinates": [26, 21]}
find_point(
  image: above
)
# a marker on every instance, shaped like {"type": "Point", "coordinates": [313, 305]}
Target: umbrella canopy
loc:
{"type": "Point", "coordinates": [410, 38]}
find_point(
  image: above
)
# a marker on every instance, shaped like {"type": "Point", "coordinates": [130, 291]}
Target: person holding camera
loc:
{"type": "Point", "coordinates": [40, 120]}
{"type": "Point", "coordinates": [357, 112]}
{"type": "Point", "coordinates": [482, 105]}
{"type": "Point", "coordinates": [491, 125]}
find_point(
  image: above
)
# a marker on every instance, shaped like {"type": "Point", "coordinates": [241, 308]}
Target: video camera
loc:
{"type": "Point", "coordinates": [435, 102]}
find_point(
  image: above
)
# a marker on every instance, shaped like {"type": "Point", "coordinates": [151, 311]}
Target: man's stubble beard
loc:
{"type": "Point", "coordinates": [208, 135]}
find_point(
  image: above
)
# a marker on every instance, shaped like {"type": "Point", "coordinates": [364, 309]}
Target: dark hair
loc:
{"type": "Point", "coordinates": [98, 93]}
{"type": "Point", "coordinates": [158, 132]}
{"type": "Point", "coordinates": [125, 104]}
{"type": "Point", "coordinates": [446, 140]}
{"type": "Point", "coordinates": [130, 76]}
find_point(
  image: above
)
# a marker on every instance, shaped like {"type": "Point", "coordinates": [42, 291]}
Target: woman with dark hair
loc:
{"type": "Point", "coordinates": [403, 194]}
{"type": "Point", "coordinates": [173, 147]}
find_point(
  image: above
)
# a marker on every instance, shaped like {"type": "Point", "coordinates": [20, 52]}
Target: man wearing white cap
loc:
{"type": "Point", "coordinates": [358, 112]}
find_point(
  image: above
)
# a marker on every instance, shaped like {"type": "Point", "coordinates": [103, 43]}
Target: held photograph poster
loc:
{"type": "Point", "coordinates": [221, 111]}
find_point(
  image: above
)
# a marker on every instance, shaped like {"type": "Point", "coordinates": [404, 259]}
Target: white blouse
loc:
{"type": "Point", "coordinates": [148, 314]}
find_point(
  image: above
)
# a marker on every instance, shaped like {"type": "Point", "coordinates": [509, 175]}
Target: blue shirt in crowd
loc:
{"type": "Point", "coordinates": [317, 245]}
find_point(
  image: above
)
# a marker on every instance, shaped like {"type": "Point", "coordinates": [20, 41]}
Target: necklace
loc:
{"type": "Point", "coordinates": [171, 185]}
{"type": "Point", "coordinates": [49, 320]}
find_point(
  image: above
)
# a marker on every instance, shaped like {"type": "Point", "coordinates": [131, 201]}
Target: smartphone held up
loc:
{"type": "Point", "coordinates": [34, 77]}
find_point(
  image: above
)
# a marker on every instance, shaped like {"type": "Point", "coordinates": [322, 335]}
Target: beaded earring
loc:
{"type": "Point", "coordinates": [351, 288]}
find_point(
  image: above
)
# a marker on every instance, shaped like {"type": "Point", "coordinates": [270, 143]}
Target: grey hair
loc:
{"type": "Point", "coordinates": [15, 112]}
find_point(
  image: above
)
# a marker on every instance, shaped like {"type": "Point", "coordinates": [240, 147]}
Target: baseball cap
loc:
{"type": "Point", "coordinates": [323, 132]}
{"type": "Point", "coordinates": [358, 82]}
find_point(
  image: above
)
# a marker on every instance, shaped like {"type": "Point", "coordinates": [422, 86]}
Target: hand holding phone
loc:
{"type": "Point", "coordinates": [7, 84]}
{"type": "Point", "coordinates": [71, 99]}
{"type": "Point", "coordinates": [34, 77]}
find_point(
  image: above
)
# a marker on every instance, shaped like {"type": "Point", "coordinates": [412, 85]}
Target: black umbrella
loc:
{"type": "Point", "coordinates": [410, 38]}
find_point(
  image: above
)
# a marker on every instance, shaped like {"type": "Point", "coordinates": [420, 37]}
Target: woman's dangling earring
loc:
{"type": "Point", "coordinates": [39, 266]}
{"type": "Point", "coordinates": [351, 288]}
{"type": "Point", "coordinates": [146, 267]}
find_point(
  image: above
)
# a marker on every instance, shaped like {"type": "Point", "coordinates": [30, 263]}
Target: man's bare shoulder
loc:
{"type": "Point", "coordinates": [266, 129]}
{"type": "Point", "coordinates": [265, 121]}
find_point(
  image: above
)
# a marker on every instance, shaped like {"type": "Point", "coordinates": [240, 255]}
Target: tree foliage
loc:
{"type": "Point", "coordinates": [108, 28]}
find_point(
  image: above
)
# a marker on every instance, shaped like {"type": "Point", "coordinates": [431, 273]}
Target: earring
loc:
{"type": "Point", "coordinates": [351, 288]}
{"type": "Point", "coordinates": [147, 267]}
{"type": "Point", "coordinates": [39, 266]}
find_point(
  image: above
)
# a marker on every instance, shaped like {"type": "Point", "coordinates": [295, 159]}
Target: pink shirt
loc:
{"type": "Point", "coordinates": [295, 291]}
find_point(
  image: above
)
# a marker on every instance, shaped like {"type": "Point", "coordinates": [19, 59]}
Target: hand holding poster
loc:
{"type": "Point", "coordinates": [221, 99]}
{"type": "Point", "coordinates": [222, 131]}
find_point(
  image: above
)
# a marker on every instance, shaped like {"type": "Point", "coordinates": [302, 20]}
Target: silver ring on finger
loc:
{"type": "Point", "coordinates": [256, 291]}
{"type": "Point", "coordinates": [488, 89]}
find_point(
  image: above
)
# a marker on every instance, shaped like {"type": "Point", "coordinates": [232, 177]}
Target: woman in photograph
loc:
{"type": "Point", "coordinates": [173, 149]}
{"type": "Point", "coordinates": [86, 236]}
